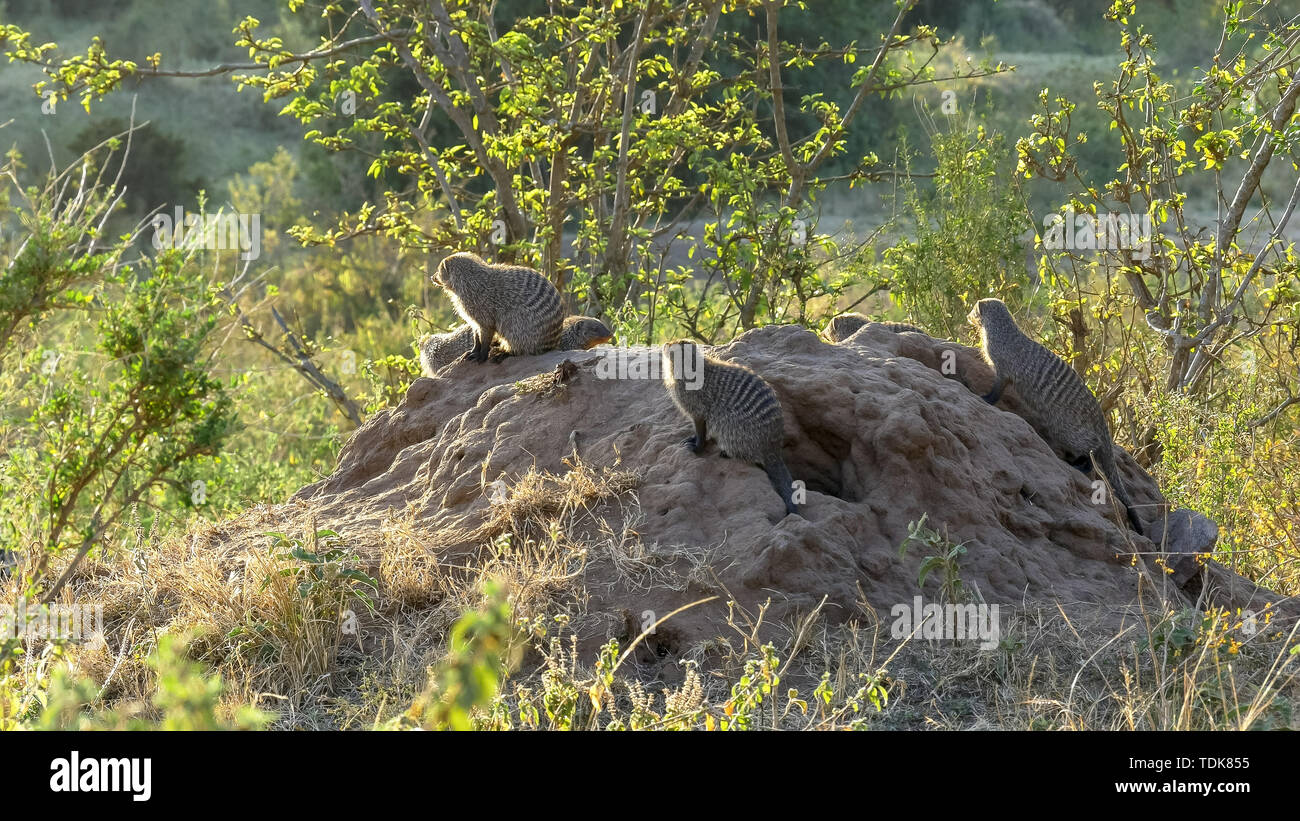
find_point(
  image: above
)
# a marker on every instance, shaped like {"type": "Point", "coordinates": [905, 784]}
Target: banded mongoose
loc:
{"type": "Point", "coordinates": [437, 351]}
{"type": "Point", "coordinates": [844, 326]}
{"type": "Point", "coordinates": [515, 303]}
{"type": "Point", "coordinates": [735, 405]}
{"type": "Point", "coordinates": [581, 333]}
{"type": "Point", "coordinates": [1069, 418]}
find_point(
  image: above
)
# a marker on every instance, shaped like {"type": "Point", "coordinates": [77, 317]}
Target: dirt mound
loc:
{"type": "Point", "coordinates": [883, 429]}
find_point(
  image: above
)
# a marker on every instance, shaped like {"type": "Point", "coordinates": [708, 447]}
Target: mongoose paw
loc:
{"type": "Point", "coordinates": [499, 357]}
{"type": "Point", "coordinates": [694, 444]}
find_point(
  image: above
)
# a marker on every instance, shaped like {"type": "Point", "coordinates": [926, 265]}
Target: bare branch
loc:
{"type": "Point", "coordinates": [1229, 227]}
{"type": "Point", "coordinates": [774, 85]}
{"type": "Point", "coordinates": [615, 255]}
{"type": "Point", "coordinates": [1201, 340]}
{"type": "Point", "coordinates": [462, 120]}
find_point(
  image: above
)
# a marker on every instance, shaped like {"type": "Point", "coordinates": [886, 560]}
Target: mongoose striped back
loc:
{"type": "Point", "coordinates": [1069, 417]}
{"type": "Point", "coordinates": [437, 351]}
{"type": "Point", "coordinates": [732, 403]}
{"type": "Point", "coordinates": [517, 304]}
{"type": "Point", "coordinates": [901, 327]}
{"type": "Point", "coordinates": [844, 326]}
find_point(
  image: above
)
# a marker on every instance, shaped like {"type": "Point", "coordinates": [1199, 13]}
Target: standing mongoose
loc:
{"type": "Point", "coordinates": [437, 351]}
{"type": "Point", "coordinates": [844, 326]}
{"type": "Point", "coordinates": [735, 405]}
{"type": "Point", "coordinates": [514, 303]}
{"type": "Point", "coordinates": [1069, 418]}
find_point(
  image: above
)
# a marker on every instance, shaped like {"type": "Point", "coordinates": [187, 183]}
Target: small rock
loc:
{"type": "Point", "coordinates": [1182, 534]}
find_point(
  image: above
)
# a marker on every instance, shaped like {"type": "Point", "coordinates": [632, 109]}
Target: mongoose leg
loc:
{"type": "Point", "coordinates": [780, 476]}
{"type": "Point", "coordinates": [994, 395]}
{"type": "Point", "coordinates": [696, 442]}
{"type": "Point", "coordinates": [482, 345]}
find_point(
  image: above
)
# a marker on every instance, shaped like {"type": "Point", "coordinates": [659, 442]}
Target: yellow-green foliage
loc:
{"type": "Point", "coordinates": [186, 698]}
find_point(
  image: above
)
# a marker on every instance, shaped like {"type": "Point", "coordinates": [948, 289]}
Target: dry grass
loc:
{"type": "Point", "coordinates": [295, 637]}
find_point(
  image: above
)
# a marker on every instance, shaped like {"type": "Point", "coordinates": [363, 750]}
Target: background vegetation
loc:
{"type": "Point", "coordinates": [901, 161]}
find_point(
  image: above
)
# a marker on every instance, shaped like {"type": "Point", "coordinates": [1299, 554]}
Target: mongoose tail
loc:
{"type": "Point", "coordinates": [1083, 464]}
{"type": "Point", "coordinates": [782, 481]}
{"type": "Point", "coordinates": [994, 395]}
{"type": "Point", "coordinates": [1105, 460]}
{"type": "Point", "coordinates": [1133, 520]}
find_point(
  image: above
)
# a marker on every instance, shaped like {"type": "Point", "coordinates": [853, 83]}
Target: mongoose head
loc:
{"type": "Point", "coordinates": [459, 262]}
{"type": "Point", "coordinates": [843, 326]}
{"type": "Point", "coordinates": [582, 333]}
{"type": "Point", "coordinates": [988, 311]}
{"type": "Point", "coordinates": [682, 359]}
